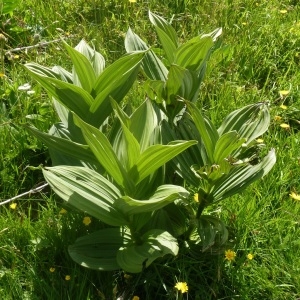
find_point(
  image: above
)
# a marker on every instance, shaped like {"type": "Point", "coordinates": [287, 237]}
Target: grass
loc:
{"type": "Point", "coordinates": [262, 59]}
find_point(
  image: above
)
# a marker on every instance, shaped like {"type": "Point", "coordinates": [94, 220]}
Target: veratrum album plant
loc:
{"type": "Point", "coordinates": [134, 172]}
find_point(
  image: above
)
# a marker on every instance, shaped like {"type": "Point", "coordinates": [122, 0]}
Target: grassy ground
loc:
{"type": "Point", "coordinates": [263, 39]}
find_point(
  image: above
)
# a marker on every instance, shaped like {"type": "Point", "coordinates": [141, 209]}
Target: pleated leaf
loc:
{"type": "Point", "coordinates": [95, 58]}
{"type": "Point", "coordinates": [156, 156]}
{"type": "Point", "coordinates": [99, 250]}
{"type": "Point", "coordinates": [71, 96]}
{"type": "Point", "coordinates": [156, 243]}
{"type": "Point", "coordinates": [103, 151]}
{"type": "Point", "coordinates": [82, 69]}
{"type": "Point", "coordinates": [66, 148]}
{"type": "Point", "coordinates": [151, 64]}
{"type": "Point", "coordinates": [193, 53]}
{"type": "Point", "coordinates": [241, 177]}
{"type": "Point", "coordinates": [115, 81]}
{"type": "Point", "coordinates": [226, 144]}
{"type": "Point", "coordinates": [86, 190]}
{"type": "Point", "coordinates": [250, 121]}
{"type": "Point", "coordinates": [206, 130]}
{"type": "Point", "coordinates": [164, 195]}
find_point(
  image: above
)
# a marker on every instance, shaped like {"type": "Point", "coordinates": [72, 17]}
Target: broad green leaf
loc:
{"type": "Point", "coordinates": [102, 149]}
{"type": "Point", "coordinates": [7, 6]}
{"type": "Point", "coordinates": [206, 130]}
{"type": "Point", "coordinates": [170, 218]}
{"type": "Point", "coordinates": [164, 195]}
{"type": "Point", "coordinates": [151, 64]}
{"type": "Point", "coordinates": [55, 72]}
{"type": "Point", "coordinates": [88, 191]}
{"type": "Point", "coordinates": [179, 84]}
{"type": "Point", "coordinates": [167, 44]}
{"type": "Point", "coordinates": [193, 53]}
{"type": "Point", "coordinates": [63, 74]}
{"type": "Point", "coordinates": [212, 231]}
{"type": "Point", "coordinates": [250, 121]}
{"type": "Point", "coordinates": [66, 148]}
{"type": "Point", "coordinates": [95, 58]}
{"type": "Point", "coordinates": [156, 156]}
{"type": "Point", "coordinates": [71, 96]}
{"type": "Point", "coordinates": [131, 148]}
{"type": "Point", "coordinates": [115, 81]}
{"type": "Point", "coordinates": [164, 26]}
{"type": "Point", "coordinates": [123, 117]}
{"type": "Point", "coordinates": [241, 177]}
{"type": "Point", "coordinates": [226, 144]}
{"type": "Point", "coordinates": [82, 68]}
{"type": "Point", "coordinates": [155, 90]}
{"type": "Point", "coordinates": [156, 243]}
{"type": "Point", "coordinates": [182, 163]}
{"type": "Point", "coordinates": [98, 250]}
{"type": "Point", "coordinates": [142, 123]}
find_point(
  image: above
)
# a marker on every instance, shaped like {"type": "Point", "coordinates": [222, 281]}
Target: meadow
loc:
{"type": "Point", "coordinates": [261, 42]}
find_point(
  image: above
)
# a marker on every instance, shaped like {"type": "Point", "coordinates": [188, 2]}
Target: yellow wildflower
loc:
{"type": "Point", "coordinates": [68, 277]}
{"type": "Point", "coordinates": [250, 256]}
{"type": "Point", "coordinates": [284, 125]}
{"type": "Point", "coordinates": [294, 196]}
{"type": "Point", "coordinates": [87, 221]}
{"type": "Point", "coordinates": [277, 118]}
{"type": "Point", "coordinates": [230, 255]}
{"type": "Point", "coordinates": [283, 11]}
{"type": "Point", "coordinates": [62, 211]}
{"type": "Point", "coordinates": [259, 141]}
{"type": "Point", "coordinates": [52, 269]}
{"type": "Point", "coordinates": [136, 298]}
{"type": "Point", "coordinates": [284, 93]}
{"type": "Point", "coordinates": [182, 287]}
{"type": "Point", "coordinates": [13, 206]}
{"type": "Point", "coordinates": [132, 1]}
{"type": "Point", "coordinates": [244, 23]}
{"type": "Point", "coordinates": [282, 106]}
{"type": "Point", "coordinates": [2, 75]}
{"type": "Point", "coordinates": [196, 197]}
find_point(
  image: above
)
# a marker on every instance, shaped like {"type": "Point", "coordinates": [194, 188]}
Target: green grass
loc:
{"type": "Point", "coordinates": [263, 58]}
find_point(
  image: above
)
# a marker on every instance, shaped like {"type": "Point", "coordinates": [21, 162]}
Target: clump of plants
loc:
{"type": "Point", "coordinates": [147, 173]}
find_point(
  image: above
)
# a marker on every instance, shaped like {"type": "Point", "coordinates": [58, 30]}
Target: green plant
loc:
{"type": "Point", "coordinates": [123, 168]}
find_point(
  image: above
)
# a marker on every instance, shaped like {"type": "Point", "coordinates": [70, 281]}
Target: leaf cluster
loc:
{"type": "Point", "coordinates": [135, 172]}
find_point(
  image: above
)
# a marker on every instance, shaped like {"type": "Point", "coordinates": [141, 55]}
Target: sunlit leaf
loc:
{"type": "Point", "coordinates": [155, 243]}
{"type": "Point", "coordinates": [86, 190]}
{"type": "Point", "coordinates": [98, 250]}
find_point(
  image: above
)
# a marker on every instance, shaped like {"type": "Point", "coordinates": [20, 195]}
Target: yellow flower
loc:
{"type": "Point", "coordinates": [277, 118]}
{"type": "Point", "coordinates": [182, 287]}
{"type": "Point", "coordinates": [284, 125]}
{"type": "Point", "coordinates": [230, 255]}
{"type": "Point", "coordinates": [284, 93]}
{"type": "Point", "coordinates": [244, 23]}
{"type": "Point", "coordinates": [196, 197]}
{"type": "Point", "coordinates": [87, 221]}
{"type": "Point", "coordinates": [294, 196]}
{"type": "Point", "coordinates": [259, 141]}
{"type": "Point", "coordinates": [52, 269]}
{"type": "Point", "coordinates": [282, 106]}
{"type": "Point", "coordinates": [62, 211]}
{"type": "Point", "coordinates": [250, 256]}
{"type": "Point", "coordinates": [136, 298]}
{"type": "Point", "coordinates": [13, 206]}
{"type": "Point", "coordinates": [283, 11]}
{"type": "Point", "coordinates": [2, 75]}
{"type": "Point", "coordinates": [68, 277]}
{"type": "Point", "coordinates": [132, 1]}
